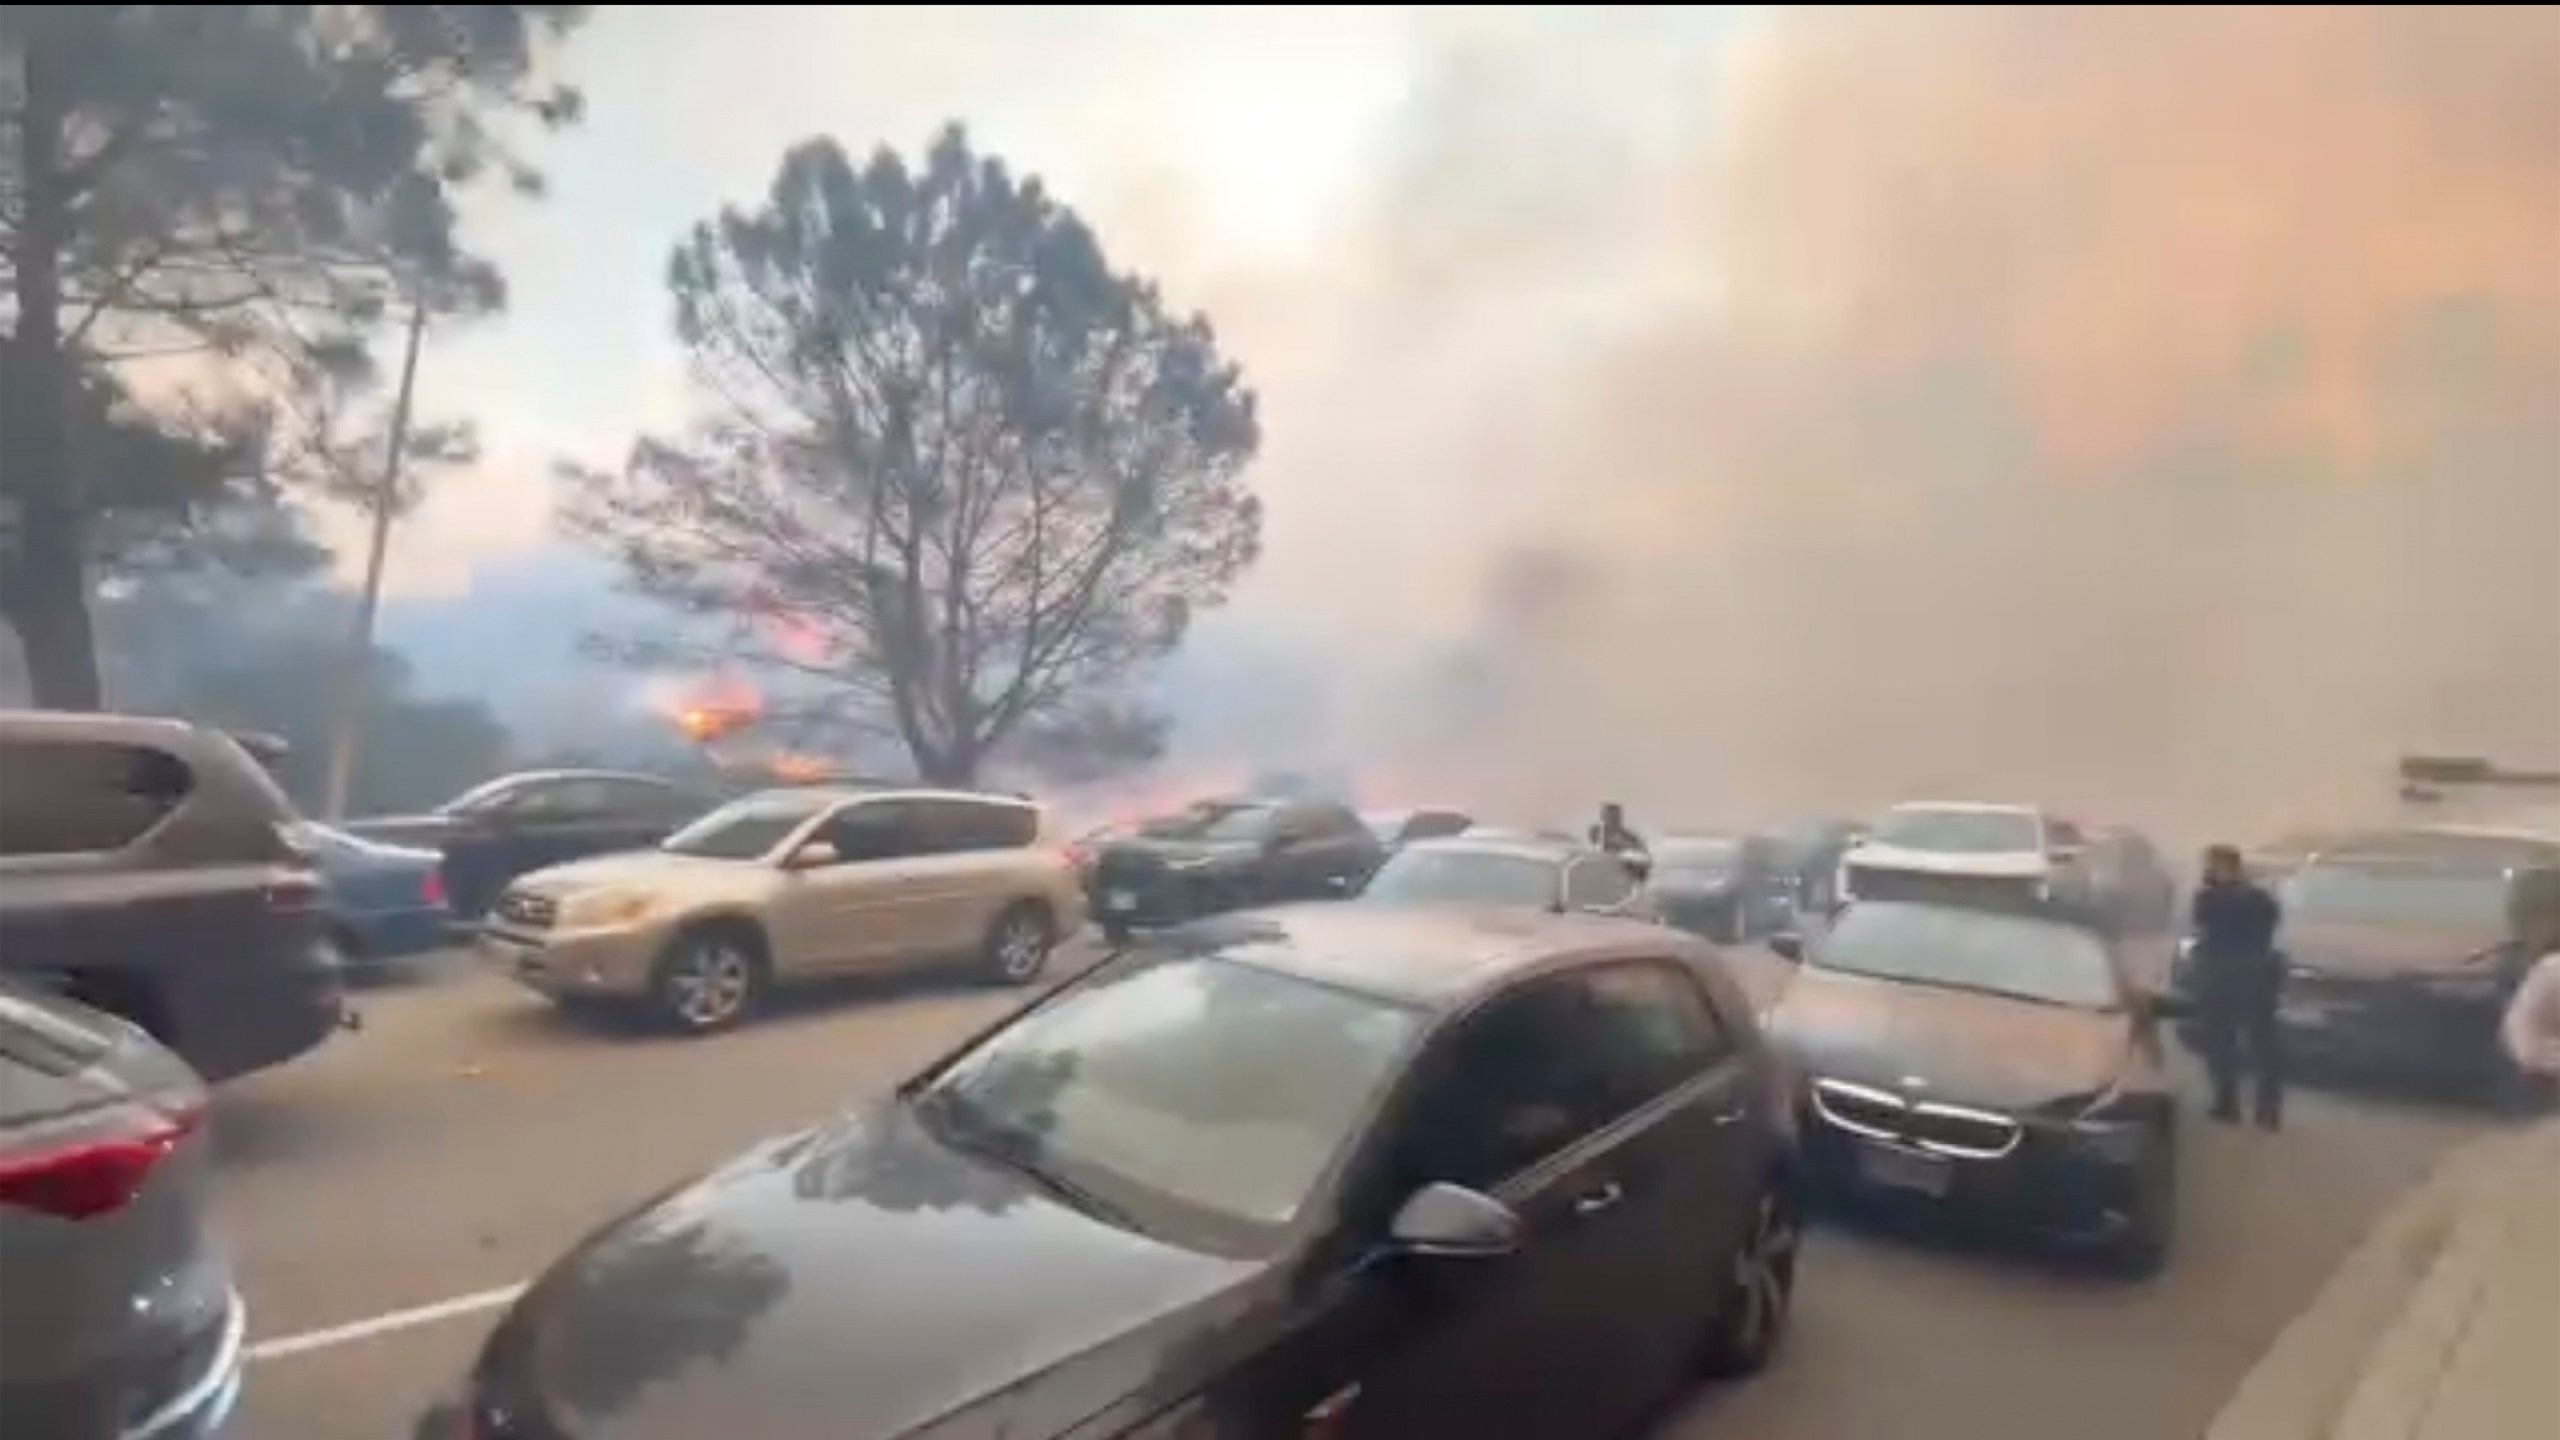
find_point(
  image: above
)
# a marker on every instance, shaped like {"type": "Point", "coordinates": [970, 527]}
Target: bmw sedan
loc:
{"type": "Point", "coordinates": [1322, 1169]}
{"type": "Point", "coordinates": [1985, 1062]}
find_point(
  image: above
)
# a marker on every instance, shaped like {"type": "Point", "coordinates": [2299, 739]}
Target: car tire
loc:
{"type": "Point", "coordinates": [1018, 944]}
{"type": "Point", "coordinates": [709, 979]}
{"type": "Point", "coordinates": [1751, 1319]}
{"type": "Point", "coordinates": [2151, 1230]}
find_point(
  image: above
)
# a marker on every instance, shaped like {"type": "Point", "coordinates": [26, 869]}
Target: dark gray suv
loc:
{"type": "Point", "coordinates": [149, 868]}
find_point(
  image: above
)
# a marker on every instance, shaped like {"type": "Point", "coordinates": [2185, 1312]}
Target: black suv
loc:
{"type": "Point", "coordinates": [149, 868]}
{"type": "Point", "coordinates": [1228, 854]}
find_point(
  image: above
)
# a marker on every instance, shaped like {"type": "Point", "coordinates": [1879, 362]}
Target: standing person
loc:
{"type": "Point", "coordinates": [1613, 836]}
{"type": "Point", "coordinates": [2239, 976]}
{"type": "Point", "coordinates": [2531, 1034]}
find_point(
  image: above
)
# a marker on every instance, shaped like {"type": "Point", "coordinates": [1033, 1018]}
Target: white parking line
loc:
{"type": "Point", "coordinates": [309, 1340]}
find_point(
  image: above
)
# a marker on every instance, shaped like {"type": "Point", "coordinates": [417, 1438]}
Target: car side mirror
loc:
{"type": "Point", "coordinates": [1455, 1222]}
{"type": "Point", "coordinates": [816, 855]}
{"type": "Point", "coordinates": [1787, 945]}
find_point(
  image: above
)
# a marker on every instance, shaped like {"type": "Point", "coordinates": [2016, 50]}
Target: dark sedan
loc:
{"type": "Point", "coordinates": [1997, 1064]}
{"type": "Point", "coordinates": [517, 824]}
{"type": "Point", "coordinates": [1222, 855]}
{"type": "Point", "coordinates": [385, 902]}
{"type": "Point", "coordinates": [1324, 1169]}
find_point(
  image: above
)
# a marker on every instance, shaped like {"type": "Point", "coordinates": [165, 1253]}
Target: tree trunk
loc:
{"type": "Point", "coordinates": [50, 604]}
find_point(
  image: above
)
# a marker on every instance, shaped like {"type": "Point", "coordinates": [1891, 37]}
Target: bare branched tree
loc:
{"type": "Point", "coordinates": [957, 469]}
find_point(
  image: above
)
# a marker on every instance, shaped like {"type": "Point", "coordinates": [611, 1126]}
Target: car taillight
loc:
{"type": "Point", "coordinates": [293, 895]}
{"type": "Point", "coordinates": [98, 1174]}
{"type": "Point", "coordinates": [431, 889]}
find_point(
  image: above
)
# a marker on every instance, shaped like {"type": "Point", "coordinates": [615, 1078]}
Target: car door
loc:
{"type": "Point", "coordinates": [1538, 1343]}
{"type": "Point", "coordinates": [858, 907]}
{"type": "Point", "coordinates": [1294, 867]}
{"type": "Point", "coordinates": [955, 883]}
{"type": "Point", "coordinates": [1342, 851]}
{"type": "Point", "coordinates": [1690, 1160]}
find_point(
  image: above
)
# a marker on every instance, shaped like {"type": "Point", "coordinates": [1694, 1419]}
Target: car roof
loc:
{"type": "Point", "coordinates": [1434, 957]}
{"type": "Point", "coordinates": [833, 794]}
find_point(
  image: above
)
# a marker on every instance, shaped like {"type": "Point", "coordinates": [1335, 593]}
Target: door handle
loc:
{"type": "Point", "coordinates": [1598, 1200]}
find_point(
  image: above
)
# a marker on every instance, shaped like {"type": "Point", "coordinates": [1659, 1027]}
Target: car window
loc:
{"type": "Point", "coordinates": [628, 798]}
{"type": "Point", "coordinates": [81, 797]}
{"type": "Point", "coordinates": [486, 798]}
{"type": "Point", "coordinates": [1332, 822]}
{"type": "Point", "coordinates": [745, 829]}
{"type": "Point", "coordinates": [1592, 883]}
{"type": "Point", "coordinates": [1657, 1030]}
{"type": "Point", "coordinates": [1504, 1089]}
{"type": "Point", "coordinates": [1221, 1088]}
{"type": "Point", "coordinates": [1699, 855]}
{"type": "Point", "coordinates": [2063, 832]}
{"type": "Point", "coordinates": [951, 827]}
{"type": "Point", "coordinates": [871, 830]}
{"type": "Point", "coordinates": [551, 799]}
{"type": "Point", "coordinates": [1213, 820]}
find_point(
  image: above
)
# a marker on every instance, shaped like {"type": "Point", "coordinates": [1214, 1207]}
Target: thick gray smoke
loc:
{"type": "Point", "coordinates": [2154, 411]}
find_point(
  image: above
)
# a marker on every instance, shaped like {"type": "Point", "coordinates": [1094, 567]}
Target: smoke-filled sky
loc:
{"type": "Point", "coordinates": [2156, 411]}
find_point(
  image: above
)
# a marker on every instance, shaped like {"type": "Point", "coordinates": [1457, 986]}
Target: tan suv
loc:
{"type": "Point", "coordinates": [791, 885]}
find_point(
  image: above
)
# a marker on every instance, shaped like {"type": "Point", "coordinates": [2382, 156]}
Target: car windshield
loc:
{"type": "Point", "coordinates": [745, 829]}
{"type": "Point", "coordinates": [1955, 949]}
{"type": "Point", "coordinates": [1216, 1087]}
{"type": "Point", "coordinates": [2418, 899]}
{"type": "Point", "coordinates": [1214, 821]}
{"type": "Point", "coordinates": [1959, 832]}
{"type": "Point", "coordinates": [1697, 855]}
{"type": "Point", "coordinates": [1457, 875]}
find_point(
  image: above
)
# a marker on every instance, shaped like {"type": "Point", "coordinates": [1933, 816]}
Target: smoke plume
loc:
{"type": "Point", "coordinates": [2151, 411]}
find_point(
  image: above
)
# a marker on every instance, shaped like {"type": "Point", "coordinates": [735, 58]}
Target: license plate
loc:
{"type": "Point", "coordinates": [1120, 901]}
{"type": "Point", "coordinates": [1906, 1170]}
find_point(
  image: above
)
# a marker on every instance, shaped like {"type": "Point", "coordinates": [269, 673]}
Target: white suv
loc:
{"type": "Point", "coordinates": [1954, 841]}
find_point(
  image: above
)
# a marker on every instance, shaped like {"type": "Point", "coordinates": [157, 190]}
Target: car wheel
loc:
{"type": "Point", "coordinates": [2151, 1228]}
{"type": "Point", "coordinates": [1018, 944]}
{"type": "Point", "coordinates": [1751, 1322]}
{"type": "Point", "coordinates": [708, 980]}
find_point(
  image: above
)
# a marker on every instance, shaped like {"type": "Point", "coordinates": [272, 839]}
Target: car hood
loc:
{"type": "Point", "coordinates": [856, 1283]}
{"type": "Point", "coordinates": [2376, 952]}
{"type": "Point", "coordinates": [1969, 1049]}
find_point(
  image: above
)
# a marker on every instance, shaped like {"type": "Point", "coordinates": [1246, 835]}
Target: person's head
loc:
{"type": "Point", "coordinates": [1611, 815]}
{"type": "Point", "coordinates": [2222, 865]}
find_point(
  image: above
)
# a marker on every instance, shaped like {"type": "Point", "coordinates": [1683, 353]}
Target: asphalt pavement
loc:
{"type": "Point", "coordinates": [383, 1195]}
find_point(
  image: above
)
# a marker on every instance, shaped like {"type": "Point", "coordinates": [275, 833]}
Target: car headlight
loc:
{"type": "Point", "coordinates": [605, 907]}
{"type": "Point", "coordinates": [2105, 1129]}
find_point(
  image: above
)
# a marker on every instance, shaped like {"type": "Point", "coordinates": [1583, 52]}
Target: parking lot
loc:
{"type": "Point", "coordinates": [383, 1195]}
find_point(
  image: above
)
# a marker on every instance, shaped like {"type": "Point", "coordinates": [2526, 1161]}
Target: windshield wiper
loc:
{"type": "Point", "coordinates": [962, 1126]}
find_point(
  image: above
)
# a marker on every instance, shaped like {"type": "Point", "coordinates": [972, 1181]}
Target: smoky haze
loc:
{"type": "Point", "coordinates": [2154, 411]}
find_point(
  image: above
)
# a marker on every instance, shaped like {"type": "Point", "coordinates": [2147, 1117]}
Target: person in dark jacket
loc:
{"type": "Point", "coordinates": [1613, 836]}
{"type": "Point", "coordinates": [2238, 977]}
